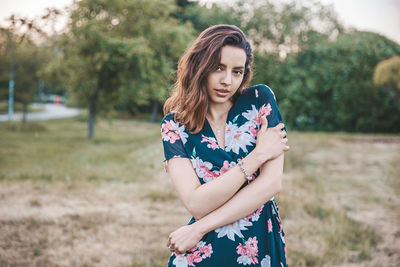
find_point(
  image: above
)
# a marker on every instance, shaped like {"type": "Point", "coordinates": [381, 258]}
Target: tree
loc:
{"type": "Point", "coordinates": [28, 60]}
{"type": "Point", "coordinates": [203, 17]}
{"type": "Point", "coordinates": [121, 50]}
{"type": "Point", "coordinates": [387, 74]}
{"type": "Point", "coordinates": [21, 61]}
{"type": "Point", "coordinates": [289, 26]}
{"type": "Point", "coordinates": [329, 86]}
{"type": "Point", "coordinates": [274, 28]}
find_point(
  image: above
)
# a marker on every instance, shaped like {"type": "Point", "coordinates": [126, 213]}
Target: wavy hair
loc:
{"type": "Point", "coordinates": [189, 99]}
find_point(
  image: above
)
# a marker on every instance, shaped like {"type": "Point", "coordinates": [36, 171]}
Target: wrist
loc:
{"type": "Point", "coordinates": [200, 227]}
{"type": "Point", "coordinates": [259, 156]}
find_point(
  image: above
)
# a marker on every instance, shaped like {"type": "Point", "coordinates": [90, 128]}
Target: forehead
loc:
{"type": "Point", "coordinates": [233, 56]}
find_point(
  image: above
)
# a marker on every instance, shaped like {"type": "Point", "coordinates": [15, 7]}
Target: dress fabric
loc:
{"type": "Point", "coordinates": [257, 239]}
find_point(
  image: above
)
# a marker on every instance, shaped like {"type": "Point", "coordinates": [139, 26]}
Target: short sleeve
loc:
{"type": "Point", "coordinates": [174, 137]}
{"type": "Point", "coordinates": [267, 105]}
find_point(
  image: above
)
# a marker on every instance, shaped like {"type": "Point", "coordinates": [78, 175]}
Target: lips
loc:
{"type": "Point", "coordinates": [222, 92]}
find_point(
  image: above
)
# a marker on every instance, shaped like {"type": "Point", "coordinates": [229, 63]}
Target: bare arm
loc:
{"type": "Point", "coordinates": [244, 202]}
{"type": "Point", "coordinates": [218, 191]}
{"type": "Point", "coordinates": [247, 200]}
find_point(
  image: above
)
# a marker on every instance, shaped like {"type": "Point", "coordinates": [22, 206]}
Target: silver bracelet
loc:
{"type": "Point", "coordinates": [248, 177]}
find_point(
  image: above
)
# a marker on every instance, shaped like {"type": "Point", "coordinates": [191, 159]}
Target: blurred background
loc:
{"type": "Point", "coordinates": [82, 84]}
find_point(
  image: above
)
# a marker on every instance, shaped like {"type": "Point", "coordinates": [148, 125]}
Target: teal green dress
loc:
{"type": "Point", "coordinates": [257, 239]}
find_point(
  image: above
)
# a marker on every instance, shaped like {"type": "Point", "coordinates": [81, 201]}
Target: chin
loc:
{"type": "Point", "coordinates": [220, 100]}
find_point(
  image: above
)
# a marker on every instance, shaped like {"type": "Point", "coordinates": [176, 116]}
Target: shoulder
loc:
{"type": "Point", "coordinates": [263, 90]}
{"type": "Point", "coordinates": [259, 91]}
{"type": "Point", "coordinates": [172, 130]}
{"type": "Point", "coordinates": [168, 123]}
{"type": "Point", "coordinates": [169, 117]}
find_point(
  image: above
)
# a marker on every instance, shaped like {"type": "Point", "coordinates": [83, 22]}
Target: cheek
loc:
{"type": "Point", "coordinates": [238, 81]}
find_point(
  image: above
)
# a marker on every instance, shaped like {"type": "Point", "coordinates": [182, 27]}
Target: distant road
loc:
{"type": "Point", "coordinates": [51, 111]}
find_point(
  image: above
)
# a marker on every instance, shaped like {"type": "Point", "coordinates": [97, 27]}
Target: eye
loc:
{"type": "Point", "coordinates": [219, 68]}
{"type": "Point", "coordinates": [238, 72]}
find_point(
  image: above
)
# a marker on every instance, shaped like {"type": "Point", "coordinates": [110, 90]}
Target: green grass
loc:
{"type": "Point", "coordinates": [58, 149]}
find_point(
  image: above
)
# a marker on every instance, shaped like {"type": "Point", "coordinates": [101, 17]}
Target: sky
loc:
{"type": "Point", "coordinates": [381, 16]}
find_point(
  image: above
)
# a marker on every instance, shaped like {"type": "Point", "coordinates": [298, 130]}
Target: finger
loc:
{"type": "Point", "coordinates": [280, 126]}
{"type": "Point", "coordinates": [264, 121]}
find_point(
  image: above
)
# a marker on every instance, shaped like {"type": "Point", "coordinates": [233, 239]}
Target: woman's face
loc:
{"type": "Point", "coordinates": [223, 83]}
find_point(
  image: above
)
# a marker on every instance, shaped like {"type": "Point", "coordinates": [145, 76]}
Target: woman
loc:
{"type": "Point", "coordinates": [224, 149]}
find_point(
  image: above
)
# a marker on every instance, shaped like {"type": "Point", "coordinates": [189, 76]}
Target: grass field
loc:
{"type": "Point", "coordinates": [68, 201]}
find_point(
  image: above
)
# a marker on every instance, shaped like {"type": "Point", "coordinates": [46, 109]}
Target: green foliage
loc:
{"type": "Point", "coordinates": [23, 58]}
{"type": "Point", "coordinates": [387, 74]}
{"type": "Point", "coordinates": [287, 26]}
{"type": "Point", "coordinates": [119, 52]}
{"type": "Point", "coordinates": [27, 62]}
{"type": "Point", "coordinates": [202, 17]}
{"type": "Point", "coordinates": [329, 86]}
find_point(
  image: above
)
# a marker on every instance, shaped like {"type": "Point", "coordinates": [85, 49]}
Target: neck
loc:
{"type": "Point", "coordinates": [219, 112]}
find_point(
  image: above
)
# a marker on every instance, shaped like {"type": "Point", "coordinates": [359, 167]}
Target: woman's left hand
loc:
{"type": "Point", "coordinates": [184, 238]}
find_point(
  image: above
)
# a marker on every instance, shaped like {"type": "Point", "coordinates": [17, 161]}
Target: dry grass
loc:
{"type": "Point", "coordinates": [67, 201]}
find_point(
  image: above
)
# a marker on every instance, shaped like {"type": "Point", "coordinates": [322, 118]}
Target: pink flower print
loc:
{"type": "Point", "coordinates": [269, 226]}
{"type": "Point", "coordinates": [207, 250]}
{"type": "Point", "coordinates": [193, 258]}
{"type": "Point", "coordinates": [168, 132]}
{"type": "Point", "coordinates": [263, 111]}
{"type": "Point", "coordinates": [172, 131]}
{"type": "Point", "coordinates": [241, 250]}
{"type": "Point", "coordinates": [212, 142]}
{"type": "Point", "coordinates": [248, 252]}
{"type": "Point", "coordinates": [195, 255]}
{"type": "Point", "coordinates": [251, 244]}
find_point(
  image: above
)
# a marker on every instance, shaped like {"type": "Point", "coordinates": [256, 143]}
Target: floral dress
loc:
{"type": "Point", "coordinates": [257, 239]}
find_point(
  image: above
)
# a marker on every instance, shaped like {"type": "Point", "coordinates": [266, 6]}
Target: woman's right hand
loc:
{"type": "Point", "coordinates": [271, 142]}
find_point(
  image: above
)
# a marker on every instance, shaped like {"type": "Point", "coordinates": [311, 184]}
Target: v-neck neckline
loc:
{"type": "Point", "coordinates": [226, 122]}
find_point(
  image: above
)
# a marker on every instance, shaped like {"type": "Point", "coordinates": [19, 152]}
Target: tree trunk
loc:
{"type": "Point", "coordinates": [24, 112]}
{"type": "Point", "coordinates": [92, 118]}
{"type": "Point", "coordinates": [154, 111]}
{"type": "Point", "coordinates": [92, 112]}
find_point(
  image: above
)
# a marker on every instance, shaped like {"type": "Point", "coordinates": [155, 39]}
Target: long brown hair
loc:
{"type": "Point", "coordinates": [189, 99]}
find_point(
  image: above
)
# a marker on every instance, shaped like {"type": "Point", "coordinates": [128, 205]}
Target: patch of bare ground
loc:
{"type": "Point", "coordinates": [347, 192]}
{"type": "Point", "coordinates": [106, 224]}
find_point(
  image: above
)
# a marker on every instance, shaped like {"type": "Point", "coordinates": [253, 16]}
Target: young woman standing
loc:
{"type": "Point", "coordinates": [224, 150]}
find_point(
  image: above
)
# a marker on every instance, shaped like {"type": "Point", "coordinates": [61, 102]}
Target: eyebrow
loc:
{"type": "Point", "coordinates": [237, 67]}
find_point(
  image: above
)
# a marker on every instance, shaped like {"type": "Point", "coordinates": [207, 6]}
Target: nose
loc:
{"type": "Point", "coordinates": [227, 78]}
